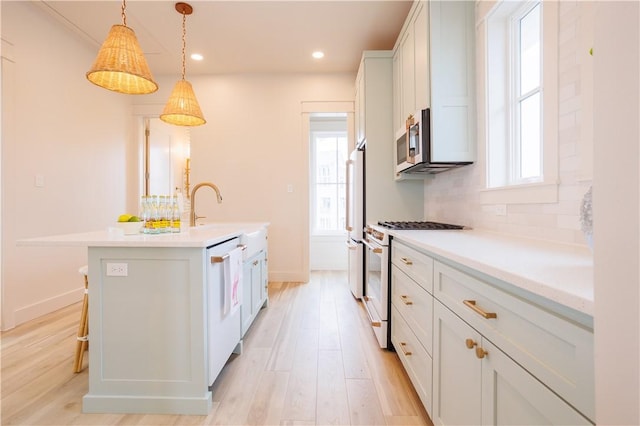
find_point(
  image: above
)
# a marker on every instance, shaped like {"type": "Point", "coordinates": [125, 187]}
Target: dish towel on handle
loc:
{"type": "Point", "coordinates": [233, 281]}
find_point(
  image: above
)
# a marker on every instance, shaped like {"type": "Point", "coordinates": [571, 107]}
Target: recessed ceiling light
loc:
{"type": "Point", "coordinates": [197, 57]}
{"type": "Point", "coordinates": [318, 54]}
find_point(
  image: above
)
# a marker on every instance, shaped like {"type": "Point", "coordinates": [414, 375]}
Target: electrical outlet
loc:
{"type": "Point", "coordinates": [501, 209]}
{"type": "Point", "coordinates": [117, 270]}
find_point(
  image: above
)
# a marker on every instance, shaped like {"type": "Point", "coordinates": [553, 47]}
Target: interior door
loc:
{"type": "Point", "coordinates": [166, 150]}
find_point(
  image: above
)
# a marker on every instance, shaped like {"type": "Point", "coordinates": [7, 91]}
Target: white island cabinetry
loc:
{"type": "Point", "coordinates": [255, 279]}
{"type": "Point", "coordinates": [500, 353]}
{"type": "Point", "coordinates": [161, 325]}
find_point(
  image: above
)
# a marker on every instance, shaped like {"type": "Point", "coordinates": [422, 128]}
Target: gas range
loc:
{"type": "Point", "coordinates": [413, 225]}
{"type": "Point", "coordinates": [377, 231]}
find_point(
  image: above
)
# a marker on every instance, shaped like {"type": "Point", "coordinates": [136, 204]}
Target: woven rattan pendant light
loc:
{"type": "Point", "coordinates": [183, 109]}
{"type": "Point", "coordinates": [120, 65]}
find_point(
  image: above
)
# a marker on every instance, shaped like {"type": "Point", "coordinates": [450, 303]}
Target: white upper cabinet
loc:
{"type": "Point", "coordinates": [422, 92]}
{"type": "Point", "coordinates": [434, 67]}
{"type": "Point", "coordinates": [452, 75]}
{"type": "Point", "coordinates": [407, 68]}
{"type": "Point", "coordinates": [360, 106]}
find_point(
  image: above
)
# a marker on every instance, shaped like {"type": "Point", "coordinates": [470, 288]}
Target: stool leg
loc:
{"type": "Point", "coordinates": [83, 329]}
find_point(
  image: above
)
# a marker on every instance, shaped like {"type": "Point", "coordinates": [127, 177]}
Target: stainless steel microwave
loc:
{"type": "Point", "coordinates": [413, 147]}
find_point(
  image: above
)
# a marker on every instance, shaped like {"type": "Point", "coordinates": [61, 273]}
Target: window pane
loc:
{"type": "Point", "coordinates": [326, 207]}
{"type": "Point", "coordinates": [329, 153]}
{"type": "Point", "coordinates": [530, 50]}
{"type": "Point", "coordinates": [530, 142]}
{"type": "Point", "coordinates": [342, 155]}
{"type": "Point", "coordinates": [326, 170]}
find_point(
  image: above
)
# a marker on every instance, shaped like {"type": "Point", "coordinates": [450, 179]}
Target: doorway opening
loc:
{"type": "Point", "coordinates": [328, 153]}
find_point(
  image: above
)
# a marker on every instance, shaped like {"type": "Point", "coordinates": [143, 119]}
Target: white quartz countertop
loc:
{"type": "Point", "coordinates": [199, 236]}
{"type": "Point", "coordinates": [562, 273]}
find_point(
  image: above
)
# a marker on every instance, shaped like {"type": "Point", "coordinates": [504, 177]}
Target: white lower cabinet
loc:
{"type": "Point", "coordinates": [412, 316]}
{"type": "Point", "coordinates": [414, 357]}
{"type": "Point", "coordinates": [474, 382]}
{"type": "Point", "coordinates": [480, 351]}
{"type": "Point", "coordinates": [457, 373]}
{"type": "Point", "coordinates": [254, 288]}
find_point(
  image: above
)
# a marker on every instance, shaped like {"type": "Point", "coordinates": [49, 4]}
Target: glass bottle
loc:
{"type": "Point", "coordinates": [154, 218]}
{"type": "Point", "coordinates": [175, 215]}
{"type": "Point", "coordinates": [161, 214]}
{"type": "Point", "coordinates": [144, 213]}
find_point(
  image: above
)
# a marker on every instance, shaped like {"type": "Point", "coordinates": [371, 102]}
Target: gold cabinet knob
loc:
{"type": "Point", "coordinates": [481, 353]}
{"type": "Point", "coordinates": [405, 299]}
{"type": "Point", "coordinates": [470, 343]}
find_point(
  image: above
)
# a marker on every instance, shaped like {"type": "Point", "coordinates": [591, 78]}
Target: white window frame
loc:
{"type": "Point", "coordinates": [313, 182]}
{"type": "Point", "coordinates": [493, 27]}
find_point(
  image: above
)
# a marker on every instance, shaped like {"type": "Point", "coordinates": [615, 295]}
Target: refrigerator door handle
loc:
{"type": "Point", "coordinates": [348, 224]}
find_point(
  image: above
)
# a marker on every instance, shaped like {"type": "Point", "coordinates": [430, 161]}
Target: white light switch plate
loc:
{"type": "Point", "coordinates": [117, 270]}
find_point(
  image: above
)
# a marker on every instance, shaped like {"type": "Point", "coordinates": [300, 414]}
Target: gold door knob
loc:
{"type": "Point", "coordinates": [470, 343]}
{"type": "Point", "coordinates": [481, 353]}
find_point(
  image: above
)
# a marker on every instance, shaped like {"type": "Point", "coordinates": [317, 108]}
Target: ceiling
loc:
{"type": "Point", "coordinates": [238, 36]}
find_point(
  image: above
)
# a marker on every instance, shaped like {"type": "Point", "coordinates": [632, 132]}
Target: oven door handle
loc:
{"type": "Point", "coordinates": [374, 323]}
{"type": "Point", "coordinates": [374, 247]}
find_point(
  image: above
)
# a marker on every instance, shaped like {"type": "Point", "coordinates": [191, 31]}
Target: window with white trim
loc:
{"type": "Point", "coordinates": [521, 94]}
{"type": "Point", "coordinates": [328, 151]}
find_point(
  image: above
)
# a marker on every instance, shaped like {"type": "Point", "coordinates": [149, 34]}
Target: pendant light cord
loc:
{"type": "Point", "coordinates": [184, 42]}
{"type": "Point", "coordinates": [124, 16]}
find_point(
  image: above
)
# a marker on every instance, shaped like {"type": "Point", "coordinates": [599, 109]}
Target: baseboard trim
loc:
{"type": "Point", "coordinates": [282, 276]}
{"type": "Point", "coordinates": [46, 306]}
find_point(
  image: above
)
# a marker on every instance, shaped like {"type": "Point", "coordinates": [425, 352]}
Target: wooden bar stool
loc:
{"type": "Point", "coordinates": [83, 328]}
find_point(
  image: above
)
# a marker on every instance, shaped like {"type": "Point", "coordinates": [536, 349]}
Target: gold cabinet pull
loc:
{"type": "Point", "coordinates": [403, 346]}
{"type": "Point", "coordinates": [472, 304]}
{"type": "Point", "coordinates": [481, 353]}
{"type": "Point", "coordinates": [405, 299]}
{"type": "Point", "coordinates": [220, 259]}
{"type": "Point", "coordinates": [470, 343]}
{"type": "Point", "coordinates": [406, 261]}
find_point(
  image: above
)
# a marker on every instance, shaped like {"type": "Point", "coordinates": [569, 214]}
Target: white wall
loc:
{"type": "Point", "coordinates": [253, 147]}
{"type": "Point", "coordinates": [616, 198]}
{"type": "Point", "coordinates": [77, 137]}
{"type": "Point", "coordinates": [454, 196]}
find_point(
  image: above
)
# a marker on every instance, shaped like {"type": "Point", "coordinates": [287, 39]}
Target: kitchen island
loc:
{"type": "Point", "coordinates": [159, 329]}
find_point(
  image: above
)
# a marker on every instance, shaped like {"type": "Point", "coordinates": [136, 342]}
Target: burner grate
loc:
{"type": "Point", "coordinates": [414, 225]}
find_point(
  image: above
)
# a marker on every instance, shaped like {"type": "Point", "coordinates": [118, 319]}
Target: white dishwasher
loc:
{"type": "Point", "coordinates": [223, 330]}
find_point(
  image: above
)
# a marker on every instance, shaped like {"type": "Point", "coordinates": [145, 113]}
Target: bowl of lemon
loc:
{"type": "Point", "coordinates": [130, 224]}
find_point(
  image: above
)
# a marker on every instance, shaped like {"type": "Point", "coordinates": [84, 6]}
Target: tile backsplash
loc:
{"type": "Point", "coordinates": [454, 196]}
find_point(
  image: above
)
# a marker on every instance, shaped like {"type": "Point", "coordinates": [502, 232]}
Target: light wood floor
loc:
{"type": "Point", "coordinates": [309, 358]}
